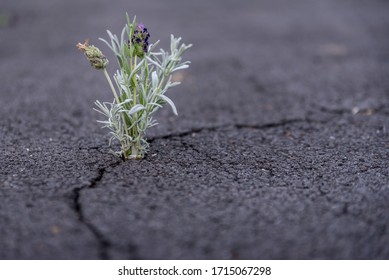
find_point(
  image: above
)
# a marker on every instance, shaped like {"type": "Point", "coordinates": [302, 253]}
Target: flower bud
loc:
{"type": "Point", "coordinates": [94, 55]}
{"type": "Point", "coordinates": [140, 40]}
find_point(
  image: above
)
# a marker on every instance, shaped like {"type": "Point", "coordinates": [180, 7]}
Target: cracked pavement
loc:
{"type": "Point", "coordinates": [280, 150]}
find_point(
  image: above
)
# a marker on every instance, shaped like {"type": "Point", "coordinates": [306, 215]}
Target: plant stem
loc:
{"type": "Point", "coordinates": [134, 129]}
{"type": "Point", "coordinates": [111, 85]}
{"type": "Point", "coordinates": [147, 75]}
{"type": "Point", "coordinates": [134, 79]}
{"type": "Point", "coordinates": [134, 151]}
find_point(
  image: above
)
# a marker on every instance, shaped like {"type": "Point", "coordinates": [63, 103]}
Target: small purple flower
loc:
{"type": "Point", "coordinates": [140, 40]}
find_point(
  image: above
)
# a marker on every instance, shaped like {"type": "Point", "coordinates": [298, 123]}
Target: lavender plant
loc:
{"type": "Point", "coordinates": [140, 84]}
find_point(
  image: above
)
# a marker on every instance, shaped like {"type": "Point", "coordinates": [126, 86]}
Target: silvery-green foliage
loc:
{"type": "Point", "coordinates": [142, 81]}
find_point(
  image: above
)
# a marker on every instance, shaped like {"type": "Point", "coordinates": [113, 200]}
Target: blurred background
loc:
{"type": "Point", "coordinates": [248, 56]}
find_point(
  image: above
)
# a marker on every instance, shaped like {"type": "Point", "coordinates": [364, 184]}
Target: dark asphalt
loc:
{"type": "Point", "coordinates": [280, 150]}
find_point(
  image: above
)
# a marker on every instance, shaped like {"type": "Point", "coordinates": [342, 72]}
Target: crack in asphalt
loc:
{"type": "Point", "coordinates": [236, 126]}
{"type": "Point", "coordinates": [233, 125]}
{"type": "Point", "coordinates": [271, 125]}
{"type": "Point", "coordinates": [213, 160]}
{"type": "Point", "coordinates": [104, 243]}
{"type": "Point", "coordinates": [188, 132]}
{"type": "Point", "coordinates": [283, 122]}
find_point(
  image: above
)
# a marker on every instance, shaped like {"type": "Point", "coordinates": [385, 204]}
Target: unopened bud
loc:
{"type": "Point", "coordinates": [94, 55]}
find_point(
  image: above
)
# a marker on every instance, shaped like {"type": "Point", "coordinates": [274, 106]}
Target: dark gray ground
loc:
{"type": "Point", "coordinates": [280, 150]}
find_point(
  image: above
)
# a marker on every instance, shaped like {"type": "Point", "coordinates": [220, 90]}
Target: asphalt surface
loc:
{"type": "Point", "coordinates": [280, 150]}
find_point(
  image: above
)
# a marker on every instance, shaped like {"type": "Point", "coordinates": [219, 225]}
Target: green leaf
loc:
{"type": "Point", "coordinates": [154, 79]}
{"type": "Point", "coordinates": [108, 44]}
{"type": "Point", "coordinates": [170, 102]}
{"type": "Point", "coordinates": [135, 109]}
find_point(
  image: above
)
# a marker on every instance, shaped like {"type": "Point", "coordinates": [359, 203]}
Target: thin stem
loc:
{"type": "Point", "coordinates": [134, 129]}
{"type": "Point", "coordinates": [111, 85]}
{"type": "Point", "coordinates": [134, 79]}
{"type": "Point", "coordinates": [146, 76]}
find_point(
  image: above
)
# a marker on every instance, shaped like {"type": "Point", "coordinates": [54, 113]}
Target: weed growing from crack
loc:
{"type": "Point", "coordinates": [142, 80]}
